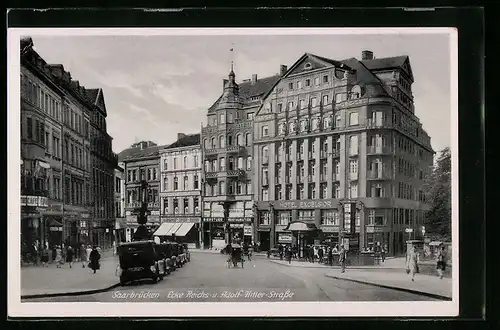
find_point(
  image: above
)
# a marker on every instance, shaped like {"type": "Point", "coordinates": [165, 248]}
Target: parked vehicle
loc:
{"type": "Point", "coordinates": [140, 260]}
{"type": "Point", "coordinates": [187, 253]}
{"type": "Point", "coordinates": [166, 254]}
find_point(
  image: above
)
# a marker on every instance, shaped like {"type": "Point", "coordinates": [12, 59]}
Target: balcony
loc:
{"type": "Point", "coordinates": [379, 150]}
{"type": "Point", "coordinates": [153, 205]}
{"type": "Point", "coordinates": [235, 149]}
{"type": "Point", "coordinates": [211, 175]}
{"type": "Point", "coordinates": [214, 151]}
{"type": "Point", "coordinates": [379, 175]}
{"type": "Point", "coordinates": [133, 205]}
{"type": "Point", "coordinates": [235, 173]}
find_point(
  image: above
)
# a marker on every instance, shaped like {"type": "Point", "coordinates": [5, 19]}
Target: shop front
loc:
{"type": "Point", "coordinates": [264, 237]}
{"type": "Point", "coordinates": [305, 233]}
{"type": "Point", "coordinates": [329, 235]}
{"type": "Point", "coordinates": [215, 238]}
{"type": "Point", "coordinates": [33, 229]}
{"type": "Point", "coordinates": [377, 237]}
{"type": "Point", "coordinates": [180, 229]}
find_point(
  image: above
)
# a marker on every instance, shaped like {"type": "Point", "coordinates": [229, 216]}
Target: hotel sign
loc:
{"type": "Point", "coordinates": [231, 220]}
{"type": "Point", "coordinates": [37, 201]}
{"type": "Point", "coordinates": [304, 204]}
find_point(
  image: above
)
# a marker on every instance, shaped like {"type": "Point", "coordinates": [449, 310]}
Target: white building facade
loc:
{"type": "Point", "coordinates": [180, 191]}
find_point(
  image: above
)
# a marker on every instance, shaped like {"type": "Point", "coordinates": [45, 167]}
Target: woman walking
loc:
{"type": "Point", "coordinates": [94, 258]}
{"type": "Point", "coordinates": [59, 259]}
{"type": "Point", "coordinates": [70, 253]}
{"type": "Point", "coordinates": [441, 261]}
{"type": "Point", "coordinates": [83, 255]}
{"type": "Point", "coordinates": [412, 260]}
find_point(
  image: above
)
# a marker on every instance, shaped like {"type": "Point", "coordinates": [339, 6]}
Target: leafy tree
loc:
{"type": "Point", "coordinates": [438, 195]}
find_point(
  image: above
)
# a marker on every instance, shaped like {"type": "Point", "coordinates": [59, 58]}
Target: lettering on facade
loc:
{"type": "Point", "coordinates": [182, 220]}
{"type": "Point", "coordinates": [37, 201]}
{"type": "Point", "coordinates": [304, 204]}
{"type": "Point", "coordinates": [231, 220]}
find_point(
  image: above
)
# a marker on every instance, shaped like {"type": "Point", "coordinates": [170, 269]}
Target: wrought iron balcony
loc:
{"type": "Point", "coordinates": [211, 175]}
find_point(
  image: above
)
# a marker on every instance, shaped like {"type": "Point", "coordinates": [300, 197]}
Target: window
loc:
{"type": "Point", "coordinates": [250, 116]}
{"type": "Point", "coordinates": [264, 218]}
{"type": "Point", "coordinates": [302, 104]}
{"type": "Point", "coordinates": [213, 144]}
{"type": "Point", "coordinates": [205, 145]}
{"type": "Point", "coordinates": [222, 188]}
{"type": "Point", "coordinates": [239, 140]}
{"type": "Point", "coordinates": [377, 190]}
{"type": "Point", "coordinates": [316, 81]}
{"type": "Point", "coordinates": [165, 165]}
{"type": "Point", "coordinates": [353, 190]}
{"type": "Point", "coordinates": [185, 162]}
{"type": "Point", "coordinates": [326, 122]}
{"type": "Point", "coordinates": [176, 183]}
{"type": "Point", "coordinates": [229, 140]}
{"type": "Point", "coordinates": [265, 194]}
{"type": "Point", "coordinates": [222, 164]}
{"type": "Point", "coordinates": [265, 131]}
{"type": "Point", "coordinates": [248, 139]}
{"type": "Point", "coordinates": [155, 175]}
{"type": "Point", "coordinates": [196, 204]}
{"type": "Point", "coordinates": [165, 183]}
{"type": "Point", "coordinates": [325, 79]}
{"type": "Point", "coordinates": [301, 192]}
{"type": "Point", "coordinates": [306, 214]}
{"type": "Point", "coordinates": [314, 102]}
{"type": "Point", "coordinates": [175, 163]}
{"type": "Point", "coordinates": [265, 155]}
{"type": "Point", "coordinates": [249, 187]}
{"type": "Point", "coordinates": [195, 160]}
{"type": "Point", "coordinates": [329, 217]}
{"type": "Point", "coordinates": [291, 105]}
{"type": "Point", "coordinates": [324, 191]}
{"type": "Point", "coordinates": [338, 121]}
{"type": "Point", "coordinates": [353, 119]}
{"type": "Point", "coordinates": [353, 145]}
{"type": "Point", "coordinates": [290, 86]}
{"type": "Point", "coordinates": [336, 191]}
{"type": "Point", "coordinates": [299, 84]}
{"type": "Point", "coordinates": [222, 118]}
{"type": "Point", "coordinates": [186, 206]}
{"type": "Point", "coordinates": [284, 217]}
{"type": "Point", "coordinates": [353, 167]}
{"type": "Point", "coordinates": [240, 163]}
{"type": "Point", "coordinates": [325, 99]}
{"type": "Point", "coordinates": [186, 183]}
{"type": "Point", "coordinates": [249, 163]}
{"type": "Point", "coordinates": [176, 206]}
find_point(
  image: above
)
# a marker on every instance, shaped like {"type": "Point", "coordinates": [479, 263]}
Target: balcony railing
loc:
{"type": "Point", "coordinates": [379, 175]}
{"type": "Point", "coordinates": [211, 174]}
{"type": "Point", "coordinates": [133, 204]}
{"type": "Point", "coordinates": [212, 151]}
{"type": "Point", "coordinates": [153, 204]}
{"type": "Point", "coordinates": [376, 150]}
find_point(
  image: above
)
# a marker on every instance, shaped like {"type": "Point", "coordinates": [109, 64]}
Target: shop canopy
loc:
{"type": "Point", "coordinates": [301, 226]}
{"type": "Point", "coordinates": [164, 229]}
{"type": "Point", "coordinates": [173, 229]}
{"type": "Point", "coordinates": [184, 229]}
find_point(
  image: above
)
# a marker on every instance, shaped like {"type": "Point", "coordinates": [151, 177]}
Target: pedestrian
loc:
{"type": "Point", "coordinates": [289, 254]}
{"type": "Point", "coordinates": [70, 253]}
{"type": "Point", "coordinates": [441, 261]}
{"type": "Point", "coordinates": [412, 260]}
{"type": "Point", "coordinates": [45, 257]}
{"type": "Point", "coordinates": [83, 255]}
{"type": "Point", "coordinates": [330, 256]}
{"type": "Point", "coordinates": [59, 259]}
{"type": "Point", "coordinates": [88, 250]}
{"type": "Point", "coordinates": [54, 254]}
{"type": "Point", "coordinates": [320, 254]}
{"type": "Point", "coordinates": [342, 258]}
{"type": "Point", "coordinates": [114, 248]}
{"type": "Point", "coordinates": [382, 253]}
{"type": "Point", "coordinates": [36, 253]}
{"type": "Point", "coordinates": [94, 258]}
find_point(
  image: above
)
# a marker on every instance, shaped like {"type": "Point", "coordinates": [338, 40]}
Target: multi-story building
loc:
{"type": "Point", "coordinates": [56, 148]}
{"type": "Point", "coordinates": [119, 207]}
{"type": "Point", "coordinates": [227, 156]}
{"type": "Point", "coordinates": [339, 154]}
{"type": "Point", "coordinates": [141, 163]}
{"type": "Point", "coordinates": [180, 193]}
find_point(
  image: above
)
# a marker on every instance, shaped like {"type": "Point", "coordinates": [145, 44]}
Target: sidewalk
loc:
{"type": "Point", "coordinates": [428, 285]}
{"type": "Point", "coordinates": [52, 281]}
{"type": "Point", "coordinates": [260, 254]}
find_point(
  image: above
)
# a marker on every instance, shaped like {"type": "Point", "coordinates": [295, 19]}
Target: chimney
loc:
{"type": "Point", "coordinates": [254, 79]}
{"type": "Point", "coordinates": [366, 55]}
{"type": "Point", "coordinates": [283, 69]}
{"type": "Point", "coordinates": [224, 82]}
{"type": "Point", "coordinates": [180, 136]}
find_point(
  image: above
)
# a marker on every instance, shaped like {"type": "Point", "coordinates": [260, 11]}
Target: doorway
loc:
{"type": "Point", "coordinates": [265, 240]}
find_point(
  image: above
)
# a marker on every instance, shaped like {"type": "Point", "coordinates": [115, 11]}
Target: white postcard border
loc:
{"type": "Point", "coordinates": [203, 309]}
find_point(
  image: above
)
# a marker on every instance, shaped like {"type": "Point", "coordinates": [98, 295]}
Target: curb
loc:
{"type": "Point", "coordinates": [421, 293]}
{"type": "Point", "coordinates": [335, 267]}
{"type": "Point", "coordinates": [74, 293]}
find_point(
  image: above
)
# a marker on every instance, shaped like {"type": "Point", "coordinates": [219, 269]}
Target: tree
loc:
{"type": "Point", "coordinates": [438, 195]}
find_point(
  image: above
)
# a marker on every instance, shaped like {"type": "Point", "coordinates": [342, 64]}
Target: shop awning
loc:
{"type": "Point", "coordinates": [164, 229]}
{"type": "Point", "coordinates": [301, 226]}
{"type": "Point", "coordinates": [173, 229]}
{"type": "Point", "coordinates": [43, 164]}
{"type": "Point", "coordinates": [184, 229]}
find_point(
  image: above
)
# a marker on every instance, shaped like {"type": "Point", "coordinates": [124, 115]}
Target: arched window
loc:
{"type": "Point", "coordinates": [248, 139]}
{"type": "Point", "coordinates": [205, 144]}
{"type": "Point", "coordinates": [222, 142]}
{"type": "Point", "coordinates": [176, 183]}
{"type": "Point", "coordinates": [213, 145]}
{"type": "Point", "coordinates": [239, 139]}
{"type": "Point", "coordinates": [185, 182]}
{"type": "Point", "coordinates": [185, 162]}
{"type": "Point", "coordinates": [229, 140]}
{"type": "Point", "coordinates": [292, 127]}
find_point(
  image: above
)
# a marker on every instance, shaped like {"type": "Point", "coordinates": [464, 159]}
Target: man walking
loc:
{"type": "Point", "coordinates": [342, 258]}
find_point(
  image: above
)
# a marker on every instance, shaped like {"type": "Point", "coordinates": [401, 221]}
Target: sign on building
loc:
{"type": "Point", "coordinates": [247, 230]}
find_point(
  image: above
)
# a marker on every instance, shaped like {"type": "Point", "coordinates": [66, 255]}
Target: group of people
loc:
{"type": "Point", "coordinates": [61, 254]}
{"type": "Point", "coordinates": [324, 254]}
{"type": "Point", "coordinates": [413, 259]}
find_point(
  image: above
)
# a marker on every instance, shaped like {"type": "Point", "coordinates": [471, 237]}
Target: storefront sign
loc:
{"type": "Point", "coordinates": [37, 201]}
{"type": "Point", "coordinates": [330, 229]}
{"type": "Point", "coordinates": [56, 228]}
{"type": "Point", "coordinates": [181, 219]}
{"type": "Point", "coordinates": [304, 204]}
{"type": "Point", "coordinates": [285, 238]}
{"type": "Point", "coordinates": [247, 230]}
{"type": "Point", "coordinates": [155, 212]}
{"type": "Point", "coordinates": [231, 220]}
{"type": "Point", "coordinates": [55, 208]}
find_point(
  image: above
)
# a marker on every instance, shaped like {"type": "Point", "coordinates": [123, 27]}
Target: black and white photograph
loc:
{"type": "Point", "coordinates": [233, 172]}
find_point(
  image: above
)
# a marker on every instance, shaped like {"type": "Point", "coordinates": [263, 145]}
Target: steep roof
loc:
{"type": "Point", "coordinates": [248, 90]}
{"type": "Point", "coordinates": [375, 87]}
{"type": "Point", "coordinates": [137, 152]}
{"type": "Point", "coordinates": [188, 140]}
{"type": "Point", "coordinates": [92, 94]}
{"type": "Point", "coordinates": [385, 63]}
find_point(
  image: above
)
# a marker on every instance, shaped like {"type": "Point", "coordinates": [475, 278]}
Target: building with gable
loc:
{"type": "Point", "coordinates": [339, 155]}
{"type": "Point", "coordinates": [67, 161]}
{"type": "Point", "coordinates": [227, 159]}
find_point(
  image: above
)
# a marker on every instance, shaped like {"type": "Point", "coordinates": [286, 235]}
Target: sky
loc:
{"type": "Point", "coordinates": [157, 86]}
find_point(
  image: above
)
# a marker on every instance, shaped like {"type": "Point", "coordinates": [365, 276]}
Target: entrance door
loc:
{"type": "Point", "coordinates": [265, 240]}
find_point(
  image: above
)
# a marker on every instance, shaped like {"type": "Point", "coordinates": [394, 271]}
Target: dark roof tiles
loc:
{"type": "Point", "coordinates": [385, 63]}
{"type": "Point", "coordinates": [137, 152]}
{"type": "Point", "coordinates": [188, 140]}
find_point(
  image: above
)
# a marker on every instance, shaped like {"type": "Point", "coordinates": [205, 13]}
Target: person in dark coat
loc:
{"type": "Point", "coordinates": [289, 254]}
{"type": "Point", "coordinates": [70, 253]}
{"type": "Point", "coordinates": [320, 254]}
{"type": "Point", "coordinates": [94, 259]}
{"type": "Point", "coordinates": [280, 249]}
{"type": "Point", "coordinates": [330, 256]}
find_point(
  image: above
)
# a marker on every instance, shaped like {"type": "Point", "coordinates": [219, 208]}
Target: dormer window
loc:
{"type": "Point", "coordinates": [308, 66]}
